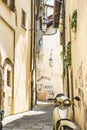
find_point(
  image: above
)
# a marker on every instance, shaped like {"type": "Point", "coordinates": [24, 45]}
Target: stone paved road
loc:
{"type": "Point", "coordinates": [40, 118]}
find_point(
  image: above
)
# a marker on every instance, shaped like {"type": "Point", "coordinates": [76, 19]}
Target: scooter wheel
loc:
{"type": "Point", "coordinates": [65, 128]}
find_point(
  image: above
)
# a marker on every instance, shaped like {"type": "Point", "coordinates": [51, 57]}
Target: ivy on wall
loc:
{"type": "Point", "coordinates": [73, 21]}
{"type": "Point", "coordinates": [67, 58]}
{"type": "Point", "coordinates": [68, 54]}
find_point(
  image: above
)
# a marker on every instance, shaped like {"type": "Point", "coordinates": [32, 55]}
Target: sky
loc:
{"type": "Point", "coordinates": [51, 2]}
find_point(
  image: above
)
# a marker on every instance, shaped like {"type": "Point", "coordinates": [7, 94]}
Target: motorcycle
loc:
{"type": "Point", "coordinates": [63, 112]}
{"type": "Point", "coordinates": [1, 118]}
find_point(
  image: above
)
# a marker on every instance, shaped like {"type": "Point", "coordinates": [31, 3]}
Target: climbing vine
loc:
{"type": "Point", "coordinates": [73, 21]}
{"type": "Point", "coordinates": [67, 58]}
{"type": "Point", "coordinates": [68, 54]}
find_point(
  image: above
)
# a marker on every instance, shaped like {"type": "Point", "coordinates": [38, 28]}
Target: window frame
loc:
{"type": "Point", "coordinates": [9, 78]}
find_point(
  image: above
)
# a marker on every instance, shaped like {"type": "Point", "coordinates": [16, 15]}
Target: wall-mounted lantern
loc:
{"type": "Point", "coordinates": [50, 62]}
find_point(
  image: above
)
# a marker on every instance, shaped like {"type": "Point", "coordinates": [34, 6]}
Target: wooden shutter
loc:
{"type": "Point", "coordinates": [12, 5]}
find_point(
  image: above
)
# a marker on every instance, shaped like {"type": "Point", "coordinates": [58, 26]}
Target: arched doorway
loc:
{"type": "Point", "coordinates": [8, 87]}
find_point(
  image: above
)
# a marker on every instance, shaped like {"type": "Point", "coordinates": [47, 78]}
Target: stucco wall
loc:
{"type": "Point", "coordinates": [79, 57]}
{"type": "Point", "coordinates": [15, 45]}
{"type": "Point", "coordinates": [51, 44]}
{"type": "Point", "coordinates": [22, 59]}
{"type": "Point", "coordinates": [6, 40]}
{"type": "Point", "coordinates": [6, 50]}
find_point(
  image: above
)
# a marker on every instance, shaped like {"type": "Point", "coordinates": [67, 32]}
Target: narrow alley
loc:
{"type": "Point", "coordinates": [40, 118]}
{"type": "Point", "coordinates": [43, 52]}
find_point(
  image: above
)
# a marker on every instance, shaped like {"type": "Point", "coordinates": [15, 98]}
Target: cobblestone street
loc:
{"type": "Point", "coordinates": [40, 118]}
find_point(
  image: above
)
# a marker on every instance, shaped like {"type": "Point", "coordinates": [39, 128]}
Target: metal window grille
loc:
{"type": "Point", "coordinates": [8, 77]}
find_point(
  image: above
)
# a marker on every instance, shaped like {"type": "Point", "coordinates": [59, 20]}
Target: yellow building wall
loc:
{"type": "Point", "coordinates": [15, 45]}
{"type": "Point", "coordinates": [6, 40]}
{"type": "Point", "coordinates": [22, 59]}
{"type": "Point", "coordinates": [6, 49]}
{"type": "Point", "coordinates": [79, 57]}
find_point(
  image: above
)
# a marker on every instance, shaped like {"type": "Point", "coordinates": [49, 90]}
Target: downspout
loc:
{"type": "Point", "coordinates": [34, 54]}
{"type": "Point", "coordinates": [31, 60]}
{"type": "Point", "coordinates": [13, 76]}
{"type": "Point", "coordinates": [63, 7]}
{"type": "Point", "coordinates": [72, 78]}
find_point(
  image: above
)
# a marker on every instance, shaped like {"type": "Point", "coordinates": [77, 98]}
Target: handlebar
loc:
{"type": "Point", "coordinates": [63, 100]}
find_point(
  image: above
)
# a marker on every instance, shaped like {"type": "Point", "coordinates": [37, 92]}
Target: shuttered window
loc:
{"type": "Point", "coordinates": [23, 18]}
{"type": "Point", "coordinates": [10, 4]}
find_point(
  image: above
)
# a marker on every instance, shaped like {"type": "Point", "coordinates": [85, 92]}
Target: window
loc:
{"type": "Point", "coordinates": [10, 4]}
{"type": "Point", "coordinates": [23, 18]}
{"type": "Point", "coordinates": [8, 77]}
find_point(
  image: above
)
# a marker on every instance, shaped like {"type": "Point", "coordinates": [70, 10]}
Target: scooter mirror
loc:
{"type": "Point", "coordinates": [50, 99]}
{"type": "Point", "coordinates": [57, 96]}
{"type": "Point", "coordinates": [76, 98]}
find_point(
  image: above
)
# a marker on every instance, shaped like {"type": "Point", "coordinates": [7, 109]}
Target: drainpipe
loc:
{"type": "Point", "coordinates": [34, 54]}
{"type": "Point", "coordinates": [63, 46]}
{"type": "Point", "coordinates": [13, 77]}
{"type": "Point", "coordinates": [72, 94]}
{"type": "Point", "coordinates": [31, 58]}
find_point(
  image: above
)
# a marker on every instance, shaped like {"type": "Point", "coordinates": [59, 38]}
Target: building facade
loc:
{"type": "Point", "coordinates": [48, 74]}
{"type": "Point", "coordinates": [75, 33]}
{"type": "Point", "coordinates": [15, 56]}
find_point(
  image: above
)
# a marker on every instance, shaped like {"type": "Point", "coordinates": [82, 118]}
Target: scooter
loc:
{"type": "Point", "coordinates": [63, 113]}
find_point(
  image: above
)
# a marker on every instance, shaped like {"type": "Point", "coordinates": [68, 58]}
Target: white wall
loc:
{"type": "Point", "coordinates": [55, 72]}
